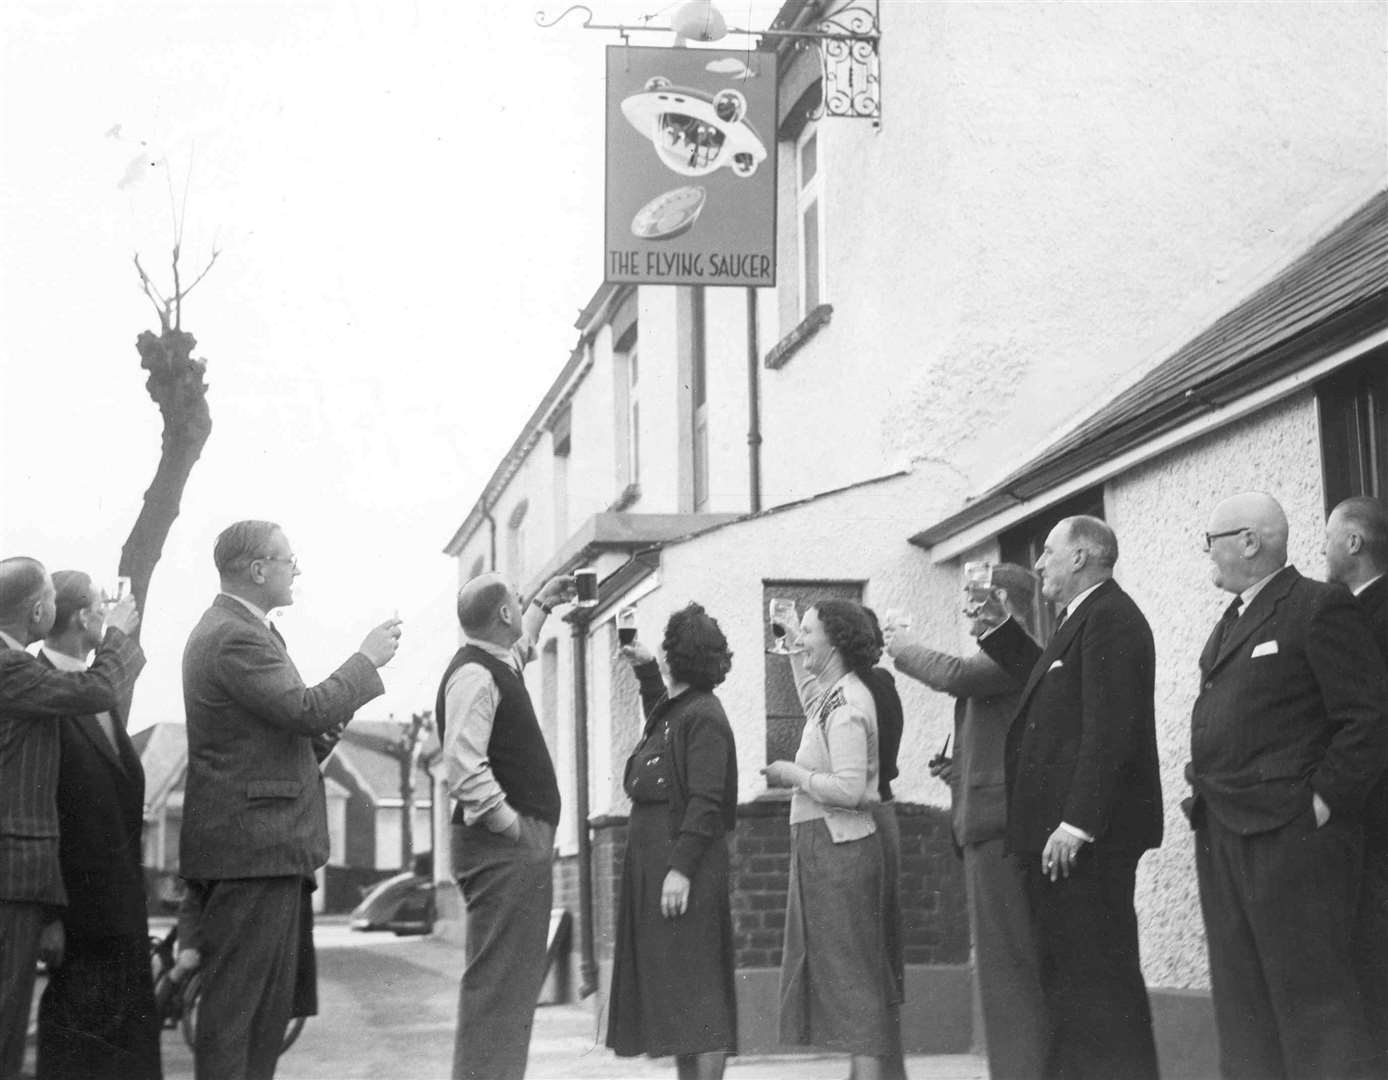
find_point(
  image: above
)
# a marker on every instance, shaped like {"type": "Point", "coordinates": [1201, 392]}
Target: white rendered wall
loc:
{"type": "Point", "coordinates": [1060, 194]}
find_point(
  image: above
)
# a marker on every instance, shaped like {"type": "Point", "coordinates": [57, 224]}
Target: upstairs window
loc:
{"type": "Point", "coordinates": [809, 217]}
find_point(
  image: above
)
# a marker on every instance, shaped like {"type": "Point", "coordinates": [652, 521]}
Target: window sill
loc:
{"type": "Point", "coordinates": [797, 339]}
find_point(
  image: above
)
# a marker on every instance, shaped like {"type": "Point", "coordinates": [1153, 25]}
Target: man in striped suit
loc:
{"type": "Point", "coordinates": [33, 697]}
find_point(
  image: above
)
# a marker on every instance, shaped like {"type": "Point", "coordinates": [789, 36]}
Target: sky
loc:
{"type": "Point", "coordinates": [406, 201]}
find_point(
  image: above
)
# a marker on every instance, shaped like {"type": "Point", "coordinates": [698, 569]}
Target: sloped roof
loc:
{"type": "Point", "coordinates": [365, 750]}
{"type": "Point", "coordinates": [1333, 294]}
{"type": "Point", "coordinates": [163, 751]}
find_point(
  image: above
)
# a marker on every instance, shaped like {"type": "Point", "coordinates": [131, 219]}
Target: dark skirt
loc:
{"type": "Point", "coordinates": [672, 979]}
{"type": "Point", "coordinates": [837, 985]}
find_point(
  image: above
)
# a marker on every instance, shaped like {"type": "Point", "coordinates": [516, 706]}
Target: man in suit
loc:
{"type": "Point", "coordinates": [1006, 968]}
{"type": "Point", "coordinates": [1288, 735]}
{"type": "Point", "coordinates": [255, 825]}
{"type": "Point", "coordinates": [1356, 556]}
{"type": "Point", "coordinates": [499, 770]}
{"type": "Point", "coordinates": [1084, 800]}
{"type": "Point", "coordinates": [97, 1019]}
{"type": "Point", "coordinates": [32, 699]}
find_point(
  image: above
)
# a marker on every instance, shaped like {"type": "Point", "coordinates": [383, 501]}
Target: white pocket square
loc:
{"type": "Point", "coordinates": [1056, 664]}
{"type": "Point", "coordinates": [1267, 648]}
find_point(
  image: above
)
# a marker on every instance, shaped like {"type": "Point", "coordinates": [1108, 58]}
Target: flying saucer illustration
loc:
{"type": "Point", "coordinates": [670, 214]}
{"type": "Point", "coordinates": [695, 132]}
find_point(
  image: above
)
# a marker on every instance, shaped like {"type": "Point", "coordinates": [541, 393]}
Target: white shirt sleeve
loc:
{"type": "Point", "coordinates": [470, 700]}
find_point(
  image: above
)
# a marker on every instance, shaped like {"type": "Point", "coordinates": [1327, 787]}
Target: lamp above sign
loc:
{"type": "Point", "coordinates": [691, 168]}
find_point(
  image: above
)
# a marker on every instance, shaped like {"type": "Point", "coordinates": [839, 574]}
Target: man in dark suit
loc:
{"type": "Point", "coordinates": [1084, 800]}
{"type": "Point", "coordinates": [1288, 735]}
{"type": "Point", "coordinates": [255, 825]}
{"type": "Point", "coordinates": [1007, 971]}
{"type": "Point", "coordinates": [1356, 556]}
{"type": "Point", "coordinates": [32, 698]}
{"type": "Point", "coordinates": [97, 1019]}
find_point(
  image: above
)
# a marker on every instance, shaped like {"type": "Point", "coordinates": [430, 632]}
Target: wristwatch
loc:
{"type": "Point", "coordinates": [548, 609]}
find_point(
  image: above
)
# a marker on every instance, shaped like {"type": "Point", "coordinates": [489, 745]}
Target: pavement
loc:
{"type": "Point", "coordinates": [388, 1006]}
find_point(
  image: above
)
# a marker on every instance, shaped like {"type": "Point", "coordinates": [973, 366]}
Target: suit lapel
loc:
{"type": "Point", "coordinates": [90, 729]}
{"type": "Point", "coordinates": [1259, 612]}
{"type": "Point", "coordinates": [1060, 641]}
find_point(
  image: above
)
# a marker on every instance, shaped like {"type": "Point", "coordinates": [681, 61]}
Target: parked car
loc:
{"type": "Point", "coordinates": [403, 904]}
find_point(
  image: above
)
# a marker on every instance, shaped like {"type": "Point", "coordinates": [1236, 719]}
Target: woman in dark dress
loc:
{"type": "Point", "coordinates": [672, 974]}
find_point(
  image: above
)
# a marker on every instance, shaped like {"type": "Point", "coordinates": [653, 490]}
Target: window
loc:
{"type": "Point", "coordinates": [699, 396]}
{"type": "Point", "coordinates": [627, 382]}
{"type": "Point", "coordinates": [784, 717]}
{"type": "Point", "coordinates": [1353, 406]}
{"type": "Point", "coordinates": [810, 224]}
{"type": "Point", "coordinates": [1022, 544]}
{"type": "Point", "coordinates": [560, 435]}
{"type": "Point", "coordinates": [515, 543]}
{"type": "Point", "coordinates": [479, 564]}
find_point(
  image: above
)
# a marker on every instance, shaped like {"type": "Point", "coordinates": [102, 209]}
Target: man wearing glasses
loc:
{"type": "Point", "coordinates": [255, 827]}
{"type": "Point", "coordinates": [1288, 735]}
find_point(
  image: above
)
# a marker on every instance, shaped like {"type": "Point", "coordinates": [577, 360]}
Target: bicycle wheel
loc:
{"type": "Point", "coordinates": [192, 997]}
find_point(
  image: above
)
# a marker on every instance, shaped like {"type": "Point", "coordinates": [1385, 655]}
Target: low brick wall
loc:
{"type": "Point", "coordinates": [935, 920]}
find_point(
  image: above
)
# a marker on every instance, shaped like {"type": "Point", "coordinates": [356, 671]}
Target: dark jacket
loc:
{"type": "Point", "coordinates": [985, 700]}
{"type": "Point", "coordinates": [32, 698]}
{"type": "Point", "coordinates": [101, 800]}
{"type": "Point", "coordinates": [1082, 748]}
{"type": "Point", "coordinates": [254, 803]}
{"type": "Point", "coordinates": [703, 755]}
{"type": "Point", "coordinates": [1291, 702]}
{"type": "Point", "coordinates": [1374, 603]}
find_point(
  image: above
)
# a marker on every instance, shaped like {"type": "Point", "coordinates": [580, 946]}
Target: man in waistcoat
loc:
{"type": "Point", "coordinates": [500, 772]}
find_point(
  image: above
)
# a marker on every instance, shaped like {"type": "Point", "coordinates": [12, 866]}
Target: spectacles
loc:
{"type": "Point", "coordinates": [1210, 538]}
{"type": "Point", "coordinates": [291, 560]}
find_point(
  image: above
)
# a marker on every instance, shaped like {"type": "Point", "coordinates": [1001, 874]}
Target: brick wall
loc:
{"type": "Point", "coordinates": [936, 928]}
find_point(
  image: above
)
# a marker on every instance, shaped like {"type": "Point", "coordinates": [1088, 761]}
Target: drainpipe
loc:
{"type": "Point", "coordinates": [587, 963]}
{"type": "Point", "coordinates": [491, 524]}
{"type": "Point", "coordinates": [753, 404]}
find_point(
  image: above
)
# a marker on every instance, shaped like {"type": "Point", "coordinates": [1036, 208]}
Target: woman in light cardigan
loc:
{"type": "Point", "coordinates": [836, 985]}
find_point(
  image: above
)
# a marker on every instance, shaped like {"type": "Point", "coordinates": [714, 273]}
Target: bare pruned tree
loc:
{"type": "Point", "coordinates": [175, 383]}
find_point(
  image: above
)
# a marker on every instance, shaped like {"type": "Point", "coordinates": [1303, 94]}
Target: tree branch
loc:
{"type": "Point", "coordinates": [160, 304]}
{"type": "Point", "coordinates": [205, 269]}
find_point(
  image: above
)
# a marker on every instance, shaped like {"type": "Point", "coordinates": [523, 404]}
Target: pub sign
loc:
{"type": "Point", "coordinates": [691, 167]}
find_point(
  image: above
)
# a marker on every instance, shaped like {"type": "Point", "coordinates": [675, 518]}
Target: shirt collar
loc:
{"type": "Point", "coordinates": [260, 614]}
{"type": "Point", "coordinates": [1253, 590]}
{"type": "Point", "coordinates": [1074, 605]}
{"type": "Point", "coordinates": [11, 642]}
{"type": "Point", "coordinates": [62, 661]}
{"type": "Point", "coordinates": [501, 653]}
{"type": "Point", "coordinates": [1367, 584]}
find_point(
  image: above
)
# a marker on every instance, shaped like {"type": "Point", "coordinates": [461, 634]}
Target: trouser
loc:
{"type": "Point", "coordinates": [1096, 1000]}
{"type": "Point", "coordinates": [508, 888]}
{"type": "Point", "coordinates": [97, 1018]}
{"type": "Point", "coordinates": [1370, 950]}
{"type": "Point", "coordinates": [249, 928]}
{"type": "Point", "coordinates": [1278, 910]}
{"type": "Point", "coordinates": [1005, 963]}
{"type": "Point", "coordinates": [20, 924]}
{"type": "Point", "coordinates": [889, 833]}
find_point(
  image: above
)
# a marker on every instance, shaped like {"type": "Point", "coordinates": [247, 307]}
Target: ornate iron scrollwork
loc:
{"type": "Point", "coordinates": [851, 66]}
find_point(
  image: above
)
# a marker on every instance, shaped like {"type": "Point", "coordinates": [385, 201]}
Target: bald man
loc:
{"type": "Point", "coordinates": [499, 770]}
{"type": "Point", "coordinates": [1356, 556]}
{"type": "Point", "coordinates": [33, 699]}
{"type": "Point", "coordinates": [1288, 735]}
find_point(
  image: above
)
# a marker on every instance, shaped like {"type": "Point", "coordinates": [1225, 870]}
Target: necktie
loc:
{"type": "Point", "coordinates": [1228, 619]}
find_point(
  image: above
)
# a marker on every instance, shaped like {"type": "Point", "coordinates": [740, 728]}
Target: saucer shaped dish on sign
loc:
{"type": "Point", "coordinates": [669, 215]}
